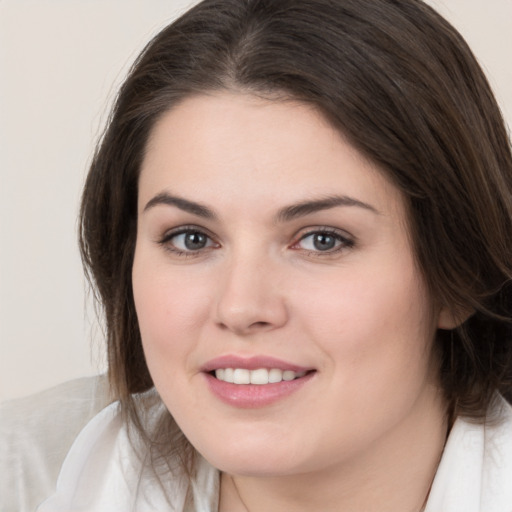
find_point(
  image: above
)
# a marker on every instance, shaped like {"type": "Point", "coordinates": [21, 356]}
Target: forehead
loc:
{"type": "Point", "coordinates": [242, 146]}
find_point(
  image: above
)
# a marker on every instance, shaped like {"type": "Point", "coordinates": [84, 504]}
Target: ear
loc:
{"type": "Point", "coordinates": [450, 318]}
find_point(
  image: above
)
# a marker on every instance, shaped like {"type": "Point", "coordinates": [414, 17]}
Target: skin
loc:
{"type": "Point", "coordinates": [367, 430]}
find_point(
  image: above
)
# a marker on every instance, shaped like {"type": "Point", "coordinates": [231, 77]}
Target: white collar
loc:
{"type": "Point", "coordinates": [475, 473]}
{"type": "Point", "coordinates": [102, 472]}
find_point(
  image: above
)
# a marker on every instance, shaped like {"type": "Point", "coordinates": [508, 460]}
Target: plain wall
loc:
{"type": "Point", "coordinates": [60, 64]}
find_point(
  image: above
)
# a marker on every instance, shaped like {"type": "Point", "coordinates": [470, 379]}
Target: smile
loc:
{"type": "Point", "coordinates": [260, 376]}
{"type": "Point", "coordinates": [256, 381]}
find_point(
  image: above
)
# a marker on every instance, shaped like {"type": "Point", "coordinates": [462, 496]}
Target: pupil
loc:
{"type": "Point", "coordinates": [324, 242]}
{"type": "Point", "coordinates": [194, 241]}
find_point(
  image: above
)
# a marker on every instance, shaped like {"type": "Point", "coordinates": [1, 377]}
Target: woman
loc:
{"type": "Point", "coordinates": [298, 223]}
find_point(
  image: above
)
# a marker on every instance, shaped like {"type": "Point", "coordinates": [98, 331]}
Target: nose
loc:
{"type": "Point", "coordinates": [250, 297]}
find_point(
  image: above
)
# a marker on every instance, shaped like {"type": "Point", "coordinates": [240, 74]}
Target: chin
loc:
{"type": "Point", "coordinates": [255, 468]}
{"type": "Point", "coordinates": [253, 458]}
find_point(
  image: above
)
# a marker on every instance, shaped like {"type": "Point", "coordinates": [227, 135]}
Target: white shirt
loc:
{"type": "Point", "coordinates": [105, 472]}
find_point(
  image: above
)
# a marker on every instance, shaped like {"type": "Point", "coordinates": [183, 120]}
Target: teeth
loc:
{"type": "Point", "coordinates": [288, 375]}
{"type": "Point", "coordinates": [275, 375]}
{"type": "Point", "coordinates": [241, 376]}
{"type": "Point", "coordinates": [259, 377]}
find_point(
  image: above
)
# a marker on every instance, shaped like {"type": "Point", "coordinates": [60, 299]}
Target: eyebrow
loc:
{"type": "Point", "coordinates": [304, 208]}
{"type": "Point", "coordinates": [285, 214]}
{"type": "Point", "coordinates": [183, 204]}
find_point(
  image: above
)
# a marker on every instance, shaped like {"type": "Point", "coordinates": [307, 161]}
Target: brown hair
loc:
{"type": "Point", "coordinates": [401, 84]}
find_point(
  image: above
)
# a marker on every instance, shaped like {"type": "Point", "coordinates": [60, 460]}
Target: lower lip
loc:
{"type": "Point", "coordinates": [251, 396]}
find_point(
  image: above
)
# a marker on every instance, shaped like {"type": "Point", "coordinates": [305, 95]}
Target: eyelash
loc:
{"type": "Point", "coordinates": [343, 241]}
{"type": "Point", "coordinates": [165, 241]}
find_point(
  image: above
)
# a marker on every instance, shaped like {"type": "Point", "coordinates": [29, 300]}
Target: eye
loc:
{"type": "Point", "coordinates": [187, 240]}
{"type": "Point", "coordinates": [323, 241]}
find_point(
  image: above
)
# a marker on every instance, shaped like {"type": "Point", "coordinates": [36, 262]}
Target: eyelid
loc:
{"type": "Point", "coordinates": [185, 228]}
{"type": "Point", "coordinates": [165, 239]}
{"type": "Point", "coordinates": [346, 239]}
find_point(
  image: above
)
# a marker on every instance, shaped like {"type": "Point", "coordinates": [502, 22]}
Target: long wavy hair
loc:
{"type": "Point", "coordinates": [402, 86]}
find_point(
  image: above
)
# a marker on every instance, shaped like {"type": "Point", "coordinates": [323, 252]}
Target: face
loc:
{"type": "Point", "coordinates": [284, 320]}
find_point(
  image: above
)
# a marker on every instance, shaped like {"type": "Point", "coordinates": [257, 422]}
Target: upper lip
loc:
{"type": "Point", "coordinates": [251, 363]}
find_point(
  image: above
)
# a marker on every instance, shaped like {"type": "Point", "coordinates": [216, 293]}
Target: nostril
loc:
{"type": "Point", "coordinates": [251, 328]}
{"type": "Point", "coordinates": [259, 325]}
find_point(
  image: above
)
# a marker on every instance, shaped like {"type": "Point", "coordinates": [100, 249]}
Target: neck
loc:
{"type": "Point", "coordinates": [394, 474]}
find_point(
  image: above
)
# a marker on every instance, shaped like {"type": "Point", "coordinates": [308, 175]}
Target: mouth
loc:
{"type": "Point", "coordinates": [254, 382]}
{"type": "Point", "coordinates": [259, 377]}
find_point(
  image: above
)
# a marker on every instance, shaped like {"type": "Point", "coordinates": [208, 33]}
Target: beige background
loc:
{"type": "Point", "coordinates": [60, 64]}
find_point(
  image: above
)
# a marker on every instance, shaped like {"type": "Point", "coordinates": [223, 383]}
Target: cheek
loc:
{"type": "Point", "coordinates": [169, 311]}
{"type": "Point", "coordinates": [376, 335]}
{"type": "Point", "coordinates": [372, 323]}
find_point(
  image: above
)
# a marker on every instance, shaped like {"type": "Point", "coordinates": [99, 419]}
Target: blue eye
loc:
{"type": "Point", "coordinates": [324, 241]}
{"type": "Point", "coordinates": [187, 240]}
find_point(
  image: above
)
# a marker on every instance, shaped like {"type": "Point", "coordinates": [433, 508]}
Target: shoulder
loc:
{"type": "Point", "coordinates": [37, 432]}
{"type": "Point", "coordinates": [497, 456]}
{"type": "Point", "coordinates": [110, 467]}
{"type": "Point", "coordinates": [475, 472]}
